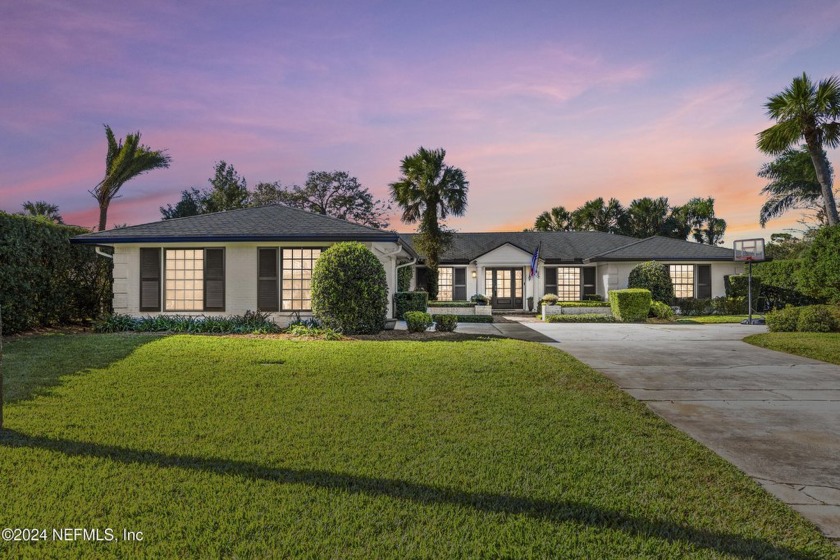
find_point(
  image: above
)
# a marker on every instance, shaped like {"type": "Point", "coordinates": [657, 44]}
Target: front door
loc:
{"type": "Point", "coordinates": [504, 287]}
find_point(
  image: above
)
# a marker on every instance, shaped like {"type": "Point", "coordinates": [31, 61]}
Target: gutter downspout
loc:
{"type": "Point", "coordinates": [102, 253]}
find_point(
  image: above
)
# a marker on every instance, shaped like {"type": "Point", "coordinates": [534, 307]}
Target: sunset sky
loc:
{"type": "Point", "coordinates": [540, 103]}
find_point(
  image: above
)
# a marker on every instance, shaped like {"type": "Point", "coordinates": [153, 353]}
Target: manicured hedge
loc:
{"type": "Point", "coordinates": [349, 289]}
{"type": "Point", "coordinates": [632, 304]}
{"type": "Point", "coordinates": [582, 318]}
{"type": "Point", "coordinates": [250, 322]}
{"type": "Point", "coordinates": [715, 306]}
{"type": "Point", "coordinates": [446, 323]}
{"type": "Point", "coordinates": [582, 304]}
{"type": "Point", "coordinates": [653, 276]}
{"type": "Point", "coordinates": [417, 321]}
{"type": "Point", "coordinates": [44, 280]}
{"type": "Point", "coordinates": [467, 318]}
{"type": "Point", "coordinates": [452, 304]}
{"type": "Point", "coordinates": [409, 301]}
{"type": "Point", "coordinates": [404, 275]}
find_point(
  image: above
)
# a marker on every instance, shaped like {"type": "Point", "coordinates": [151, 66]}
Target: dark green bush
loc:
{"type": "Point", "coordinates": [44, 280]}
{"type": "Point", "coordinates": [653, 276]}
{"type": "Point", "coordinates": [404, 275]}
{"type": "Point", "coordinates": [631, 304]}
{"type": "Point", "coordinates": [468, 318]}
{"type": "Point", "coordinates": [417, 321]}
{"type": "Point", "coordinates": [409, 301]}
{"type": "Point", "coordinates": [593, 297]}
{"type": "Point", "coordinates": [249, 323]}
{"type": "Point", "coordinates": [661, 310]}
{"type": "Point", "coordinates": [737, 286]}
{"type": "Point", "coordinates": [816, 318]}
{"type": "Point", "coordinates": [582, 318]}
{"type": "Point", "coordinates": [730, 305]}
{"type": "Point", "coordinates": [582, 304]}
{"type": "Point", "coordinates": [781, 285]}
{"type": "Point", "coordinates": [452, 304]}
{"type": "Point", "coordinates": [783, 320]}
{"type": "Point", "coordinates": [445, 323]}
{"type": "Point", "coordinates": [820, 273]}
{"type": "Point", "coordinates": [349, 289]}
{"type": "Point", "coordinates": [480, 299]}
{"type": "Point", "coordinates": [693, 306]}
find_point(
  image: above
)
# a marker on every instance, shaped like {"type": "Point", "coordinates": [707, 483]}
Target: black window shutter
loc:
{"type": "Point", "coordinates": [550, 280]}
{"type": "Point", "coordinates": [268, 289]}
{"type": "Point", "coordinates": [589, 284]}
{"type": "Point", "coordinates": [704, 281]}
{"type": "Point", "coordinates": [459, 287]}
{"type": "Point", "coordinates": [214, 279]}
{"type": "Point", "coordinates": [149, 279]}
{"type": "Point", "coordinates": [422, 274]}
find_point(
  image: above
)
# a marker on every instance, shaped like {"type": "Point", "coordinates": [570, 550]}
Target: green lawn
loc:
{"type": "Point", "coordinates": [247, 447]}
{"type": "Point", "coordinates": [819, 346]}
{"type": "Point", "coordinates": [713, 319]}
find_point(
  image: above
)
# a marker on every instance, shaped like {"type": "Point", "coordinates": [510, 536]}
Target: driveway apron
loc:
{"type": "Point", "coordinates": [773, 415]}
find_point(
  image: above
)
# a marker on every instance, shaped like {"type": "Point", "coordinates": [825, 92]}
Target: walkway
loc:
{"type": "Point", "coordinates": [773, 415]}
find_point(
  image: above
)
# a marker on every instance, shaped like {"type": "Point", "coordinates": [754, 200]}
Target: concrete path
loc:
{"type": "Point", "coordinates": [773, 415]}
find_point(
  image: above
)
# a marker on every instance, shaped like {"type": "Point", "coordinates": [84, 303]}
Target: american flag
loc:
{"type": "Point", "coordinates": [535, 258]}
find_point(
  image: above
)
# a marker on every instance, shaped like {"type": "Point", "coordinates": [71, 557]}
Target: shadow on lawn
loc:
{"type": "Point", "coordinates": [555, 511]}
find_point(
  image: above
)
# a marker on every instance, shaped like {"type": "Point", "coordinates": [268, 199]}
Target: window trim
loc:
{"type": "Point", "coordinates": [204, 308]}
{"type": "Point", "coordinates": [280, 276]}
{"type": "Point", "coordinates": [693, 280]}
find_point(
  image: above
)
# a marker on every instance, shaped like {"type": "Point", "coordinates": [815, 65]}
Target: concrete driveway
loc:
{"type": "Point", "coordinates": [773, 415]}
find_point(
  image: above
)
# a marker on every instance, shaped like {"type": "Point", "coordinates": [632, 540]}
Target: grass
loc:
{"type": "Point", "coordinates": [255, 447]}
{"type": "Point", "coordinates": [713, 319]}
{"type": "Point", "coordinates": [819, 346]}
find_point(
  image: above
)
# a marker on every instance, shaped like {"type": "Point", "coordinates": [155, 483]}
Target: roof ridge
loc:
{"type": "Point", "coordinates": [623, 246]}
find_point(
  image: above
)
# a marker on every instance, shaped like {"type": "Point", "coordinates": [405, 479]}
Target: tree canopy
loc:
{"type": "Point", "coordinates": [42, 209]}
{"type": "Point", "coordinates": [793, 185]}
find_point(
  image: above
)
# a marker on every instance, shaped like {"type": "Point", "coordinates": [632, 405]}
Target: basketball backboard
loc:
{"type": "Point", "coordinates": [749, 250]}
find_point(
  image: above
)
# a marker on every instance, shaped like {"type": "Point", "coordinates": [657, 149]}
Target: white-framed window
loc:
{"type": "Point", "coordinates": [682, 277]}
{"type": "Point", "coordinates": [184, 287]}
{"type": "Point", "coordinates": [296, 268]}
{"type": "Point", "coordinates": [446, 282]}
{"type": "Point", "coordinates": [568, 284]}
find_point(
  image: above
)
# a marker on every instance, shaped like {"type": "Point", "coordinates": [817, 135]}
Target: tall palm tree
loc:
{"type": "Point", "coordinates": [123, 162]}
{"type": "Point", "coordinates": [793, 184]}
{"type": "Point", "coordinates": [646, 217]}
{"type": "Point", "coordinates": [595, 215]}
{"type": "Point", "coordinates": [808, 111]}
{"type": "Point", "coordinates": [428, 192]}
{"type": "Point", "coordinates": [42, 208]}
{"type": "Point", "coordinates": [556, 219]}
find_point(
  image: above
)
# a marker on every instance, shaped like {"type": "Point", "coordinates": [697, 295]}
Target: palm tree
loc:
{"type": "Point", "coordinates": [793, 184]}
{"type": "Point", "coordinates": [595, 215]}
{"type": "Point", "coordinates": [808, 111]}
{"type": "Point", "coordinates": [428, 192]}
{"type": "Point", "coordinates": [123, 162]}
{"type": "Point", "coordinates": [42, 208]}
{"type": "Point", "coordinates": [556, 219]}
{"type": "Point", "coordinates": [646, 217]}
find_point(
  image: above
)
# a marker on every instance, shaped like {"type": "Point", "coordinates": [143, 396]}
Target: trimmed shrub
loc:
{"type": "Point", "coordinates": [467, 318]}
{"type": "Point", "coordinates": [653, 276]}
{"type": "Point", "coordinates": [631, 304]}
{"type": "Point", "coordinates": [737, 286]}
{"type": "Point", "coordinates": [816, 318]}
{"type": "Point", "coordinates": [549, 299]}
{"type": "Point", "coordinates": [480, 299]}
{"type": "Point", "coordinates": [446, 323]}
{"type": "Point", "coordinates": [252, 322]}
{"type": "Point", "coordinates": [582, 304]}
{"type": "Point", "coordinates": [582, 318]}
{"type": "Point", "coordinates": [731, 305]}
{"type": "Point", "coordinates": [820, 273]}
{"type": "Point", "coordinates": [451, 304]}
{"type": "Point", "coordinates": [661, 310]}
{"type": "Point", "coordinates": [404, 275]}
{"type": "Point", "coordinates": [44, 280]}
{"type": "Point", "coordinates": [409, 301]}
{"type": "Point", "coordinates": [593, 297]}
{"type": "Point", "coordinates": [418, 321]}
{"type": "Point", "coordinates": [783, 320]}
{"type": "Point", "coordinates": [693, 306]}
{"type": "Point", "coordinates": [349, 290]}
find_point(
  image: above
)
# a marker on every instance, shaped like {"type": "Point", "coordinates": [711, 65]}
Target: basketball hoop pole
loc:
{"type": "Point", "coordinates": [749, 293]}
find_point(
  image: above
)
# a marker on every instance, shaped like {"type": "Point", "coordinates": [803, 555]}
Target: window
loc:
{"type": "Point", "coordinates": [184, 279]}
{"type": "Point", "coordinates": [682, 276]}
{"type": "Point", "coordinates": [568, 284]}
{"type": "Point", "coordinates": [297, 265]}
{"type": "Point", "coordinates": [445, 283]}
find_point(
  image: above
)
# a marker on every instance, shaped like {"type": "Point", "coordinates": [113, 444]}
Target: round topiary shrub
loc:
{"type": "Point", "coordinates": [349, 290]}
{"type": "Point", "coordinates": [653, 276]}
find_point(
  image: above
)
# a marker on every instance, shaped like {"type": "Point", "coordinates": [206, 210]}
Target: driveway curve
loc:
{"type": "Point", "coordinates": [773, 415]}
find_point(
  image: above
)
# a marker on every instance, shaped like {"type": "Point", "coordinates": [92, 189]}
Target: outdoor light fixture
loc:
{"type": "Point", "coordinates": [473, 274]}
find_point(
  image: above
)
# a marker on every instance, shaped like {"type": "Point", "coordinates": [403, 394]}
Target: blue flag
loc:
{"type": "Point", "coordinates": [535, 258]}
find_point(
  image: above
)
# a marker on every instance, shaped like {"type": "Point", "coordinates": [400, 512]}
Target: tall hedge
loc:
{"type": "Point", "coordinates": [630, 305]}
{"type": "Point", "coordinates": [820, 274]}
{"type": "Point", "coordinates": [44, 280]}
{"type": "Point", "coordinates": [349, 289]}
{"type": "Point", "coordinates": [653, 276]}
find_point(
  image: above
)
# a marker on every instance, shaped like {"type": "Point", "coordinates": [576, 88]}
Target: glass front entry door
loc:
{"type": "Point", "coordinates": [504, 287]}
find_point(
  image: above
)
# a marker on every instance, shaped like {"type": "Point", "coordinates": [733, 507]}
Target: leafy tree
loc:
{"type": "Point", "coordinates": [556, 219]}
{"type": "Point", "coordinates": [123, 162]}
{"type": "Point", "coordinates": [228, 190]}
{"type": "Point", "coordinates": [41, 208]}
{"type": "Point", "coordinates": [428, 192]}
{"type": "Point", "coordinates": [646, 217]}
{"type": "Point", "coordinates": [595, 215]}
{"type": "Point", "coordinates": [820, 273]}
{"type": "Point", "coordinates": [784, 246]}
{"type": "Point", "coordinates": [809, 112]}
{"type": "Point", "coordinates": [793, 184]}
{"type": "Point", "coordinates": [193, 202]}
{"type": "Point", "coordinates": [330, 193]}
{"type": "Point", "coordinates": [697, 219]}
{"type": "Point", "coordinates": [268, 194]}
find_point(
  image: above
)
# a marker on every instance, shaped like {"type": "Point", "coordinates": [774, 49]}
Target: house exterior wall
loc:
{"type": "Point", "coordinates": [240, 276]}
{"type": "Point", "coordinates": [616, 275]}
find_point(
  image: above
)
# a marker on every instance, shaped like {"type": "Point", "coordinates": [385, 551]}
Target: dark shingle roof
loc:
{"type": "Point", "coordinates": [264, 223]}
{"type": "Point", "coordinates": [577, 247]}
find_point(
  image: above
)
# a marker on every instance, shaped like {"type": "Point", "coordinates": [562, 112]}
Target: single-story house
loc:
{"type": "Point", "coordinates": [261, 258]}
{"type": "Point", "coordinates": [572, 265]}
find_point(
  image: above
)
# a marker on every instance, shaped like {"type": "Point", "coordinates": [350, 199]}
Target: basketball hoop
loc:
{"type": "Point", "coordinates": [749, 251]}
